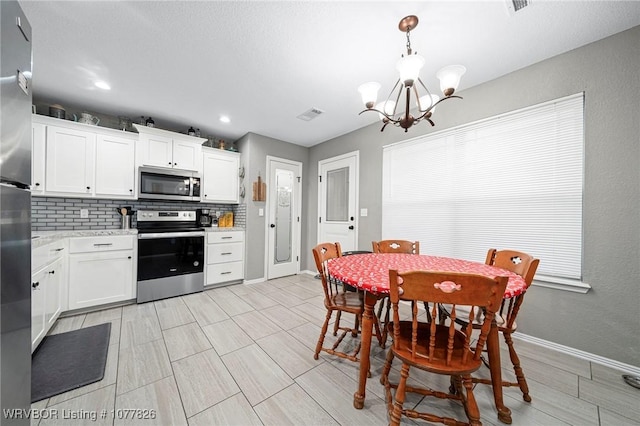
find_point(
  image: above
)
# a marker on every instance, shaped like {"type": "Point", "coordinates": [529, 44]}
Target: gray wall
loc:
{"type": "Point", "coordinates": [254, 149]}
{"type": "Point", "coordinates": [606, 320]}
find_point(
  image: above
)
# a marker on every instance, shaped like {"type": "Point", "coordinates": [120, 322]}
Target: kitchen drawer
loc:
{"type": "Point", "coordinates": [224, 252]}
{"type": "Point", "coordinates": [222, 272]}
{"type": "Point", "coordinates": [42, 256]}
{"type": "Point", "coordinates": [98, 244]}
{"type": "Point", "coordinates": [224, 236]}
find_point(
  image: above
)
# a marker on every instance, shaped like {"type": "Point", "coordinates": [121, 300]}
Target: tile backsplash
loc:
{"type": "Point", "coordinates": [60, 214]}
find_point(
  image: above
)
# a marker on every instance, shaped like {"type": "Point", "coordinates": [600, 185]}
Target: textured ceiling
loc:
{"type": "Point", "coordinates": [185, 63]}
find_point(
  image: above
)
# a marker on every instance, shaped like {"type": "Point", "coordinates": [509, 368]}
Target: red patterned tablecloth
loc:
{"type": "Point", "coordinates": [370, 272]}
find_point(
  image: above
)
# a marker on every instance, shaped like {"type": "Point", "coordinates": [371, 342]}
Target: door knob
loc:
{"type": "Point", "coordinates": [352, 227]}
{"type": "Point", "coordinates": [272, 225]}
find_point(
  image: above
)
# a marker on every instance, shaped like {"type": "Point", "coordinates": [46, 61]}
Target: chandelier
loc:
{"type": "Point", "coordinates": [409, 66]}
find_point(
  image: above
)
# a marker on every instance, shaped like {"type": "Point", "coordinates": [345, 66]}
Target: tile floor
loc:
{"type": "Point", "coordinates": [243, 355]}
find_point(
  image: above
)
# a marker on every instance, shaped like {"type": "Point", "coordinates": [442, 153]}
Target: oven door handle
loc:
{"type": "Point", "coordinates": [158, 235]}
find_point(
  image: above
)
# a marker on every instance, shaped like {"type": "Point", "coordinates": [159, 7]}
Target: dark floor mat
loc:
{"type": "Point", "coordinates": [69, 360]}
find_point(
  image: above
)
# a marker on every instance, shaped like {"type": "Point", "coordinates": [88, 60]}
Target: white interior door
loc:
{"type": "Point", "coordinates": [283, 221]}
{"type": "Point", "coordinates": [338, 200]}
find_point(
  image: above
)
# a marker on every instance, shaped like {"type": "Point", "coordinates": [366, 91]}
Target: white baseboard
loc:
{"type": "Point", "coordinates": [627, 368]}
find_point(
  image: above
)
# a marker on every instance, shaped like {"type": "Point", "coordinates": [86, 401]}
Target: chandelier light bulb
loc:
{"type": "Point", "coordinates": [387, 107]}
{"type": "Point", "coordinates": [369, 93]}
{"type": "Point", "coordinates": [450, 78]}
{"type": "Point", "coordinates": [409, 68]}
{"type": "Point", "coordinates": [428, 101]}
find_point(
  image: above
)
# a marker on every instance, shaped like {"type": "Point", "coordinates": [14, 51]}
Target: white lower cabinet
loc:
{"type": "Point", "coordinates": [225, 256]}
{"type": "Point", "coordinates": [47, 289]}
{"type": "Point", "coordinates": [101, 270]}
{"type": "Point", "coordinates": [37, 308]}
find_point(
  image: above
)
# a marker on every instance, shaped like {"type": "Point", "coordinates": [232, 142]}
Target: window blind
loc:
{"type": "Point", "coordinates": [513, 181]}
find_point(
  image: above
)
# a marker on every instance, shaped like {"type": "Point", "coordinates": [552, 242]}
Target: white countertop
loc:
{"type": "Point", "coordinates": [42, 238]}
{"type": "Point", "coordinates": [221, 229]}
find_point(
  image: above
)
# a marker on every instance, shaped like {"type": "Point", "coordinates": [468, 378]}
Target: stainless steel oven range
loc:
{"type": "Point", "coordinates": [170, 254]}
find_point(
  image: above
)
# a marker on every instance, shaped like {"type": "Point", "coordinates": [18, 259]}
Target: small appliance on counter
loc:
{"type": "Point", "coordinates": [204, 217]}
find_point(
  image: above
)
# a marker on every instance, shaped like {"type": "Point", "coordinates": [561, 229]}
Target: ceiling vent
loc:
{"type": "Point", "coordinates": [514, 6]}
{"type": "Point", "coordinates": [310, 114]}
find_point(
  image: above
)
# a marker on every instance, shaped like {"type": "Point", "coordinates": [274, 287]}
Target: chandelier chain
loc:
{"type": "Point", "coordinates": [408, 41]}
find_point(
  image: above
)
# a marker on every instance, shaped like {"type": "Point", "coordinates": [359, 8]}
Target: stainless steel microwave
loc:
{"type": "Point", "coordinates": [168, 184]}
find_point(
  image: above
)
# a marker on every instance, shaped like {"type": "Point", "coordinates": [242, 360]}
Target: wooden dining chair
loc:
{"type": "Point", "coordinates": [392, 246]}
{"type": "Point", "coordinates": [524, 265]}
{"type": "Point", "coordinates": [437, 348]}
{"type": "Point", "coordinates": [396, 246]}
{"type": "Point", "coordinates": [336, 299]}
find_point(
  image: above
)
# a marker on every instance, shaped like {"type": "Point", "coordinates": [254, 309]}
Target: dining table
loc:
{"type": "Point", "coordinates": [370, 273]}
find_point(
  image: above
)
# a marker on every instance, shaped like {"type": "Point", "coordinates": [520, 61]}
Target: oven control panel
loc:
{"type": "Point", "coordinates": [166, 215]}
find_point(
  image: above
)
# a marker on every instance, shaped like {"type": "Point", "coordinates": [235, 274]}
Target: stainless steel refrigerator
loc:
{"type": "Point", "coordinates": [15, 211]}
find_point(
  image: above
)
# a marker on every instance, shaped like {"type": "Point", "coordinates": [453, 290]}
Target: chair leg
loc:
{"type": "Point", "coordinates": [322, 333]}
{"type": "Point", "coordinates": [378, 332]}
{"type": "Point", "coordinates": [396, 414]}
{"type": "Point", "coordinates": [469, 401]}
{"type": "Point", "coordinates": [384, 380]}
{"type": "Point", "coordinates": [385, 330]}
{"type": "Point", "coordinates": [336, 325]}
{"type": "Point", "coordinates": [522, 382]}
{"type": "Point", "coordinates": [387, 367]}
{"type": "Point", "coordinates": [380, 307]}
{"type": "Point", "coordinates": [356, 327]}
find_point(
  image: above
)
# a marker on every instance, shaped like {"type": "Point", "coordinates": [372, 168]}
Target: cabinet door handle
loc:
{"type": "Point", "coordinates": [59, 249]}
{"type": "Point", "coordinates": [37, 184]}
{"type": "Point", "coordinates": [226, 238]}
{"type": "Point", "coordinates": [35, 285]}
{"type": "Point", "coordinates": [169, 162]}
{"type": "Point", "coordinates": [225, 273]}
{"type": "Point", "coordinates": [128, 257]}
{"type": "Point", "coordinates": [102, 244]}
{"type": "Point", "coordinates": [88, 187]}
{"type": "Point", "coordinates": [224, 254]}
{"type": "Point", "coordinates": [175, 164]}
{"type": "Point", "coordinates": [52, 272]}
{"type": "Point", "coordinates": [131, 190]}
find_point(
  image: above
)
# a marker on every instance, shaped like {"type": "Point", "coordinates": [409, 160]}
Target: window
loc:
{"type": "Point", "coordinates": [510, 181]}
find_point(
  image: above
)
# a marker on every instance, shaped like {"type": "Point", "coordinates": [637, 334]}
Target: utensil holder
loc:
{"type": "Point", "coordinates": [126, 222]}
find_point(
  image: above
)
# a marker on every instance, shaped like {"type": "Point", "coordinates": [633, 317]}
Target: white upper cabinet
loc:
{"type": "Point", "coordinates": [187, 155]}
{"type": "Point", "coordinates": [70, 161]}
{"type": "Point", "coordinates": [115, 167]}
{"type": "Point", "coordinates": [220, 181]}
{"type": "Point", "coordinates": [162, 148]}
{"type": "Point", "coordinates": [156, 151]}
{"type": "Point", "coordinates": [79, 160]}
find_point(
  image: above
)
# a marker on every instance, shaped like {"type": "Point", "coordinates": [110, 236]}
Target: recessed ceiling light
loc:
{"type": "Point", "coordinates": [225, 119]}
{"type": "Point", "coordinates": [102, 85]}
